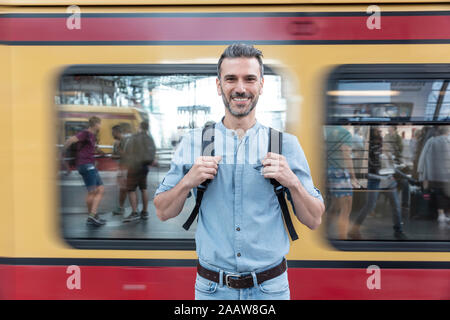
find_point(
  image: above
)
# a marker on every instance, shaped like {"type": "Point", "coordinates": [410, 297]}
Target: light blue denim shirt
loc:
{"type": "Point", "coordinates": [240, 225]}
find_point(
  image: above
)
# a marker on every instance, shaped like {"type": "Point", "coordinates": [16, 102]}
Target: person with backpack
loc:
{"type": "Point", "coordinates": [121, 134]}
{"type": "Point", "coordinates": [140, 151]}
{"type": "Point", "coordinates": [86, 147]}
{"type": "Point", "coordinates": [241, 240]}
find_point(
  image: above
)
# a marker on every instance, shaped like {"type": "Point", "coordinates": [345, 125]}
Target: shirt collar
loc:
{"type": "Point", "coordinates": [250, 132]}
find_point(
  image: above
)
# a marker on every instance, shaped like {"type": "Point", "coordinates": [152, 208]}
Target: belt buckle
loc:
{"type": "Point", "coordinates": [227, 281]}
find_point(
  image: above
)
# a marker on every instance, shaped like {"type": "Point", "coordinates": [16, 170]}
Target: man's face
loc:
{"type": "Point", "coordinates": [240, 85]}
{"type": "Point", "coordinates": [116, 134]}
{"type": "Point", "coordinates": [97, 127]}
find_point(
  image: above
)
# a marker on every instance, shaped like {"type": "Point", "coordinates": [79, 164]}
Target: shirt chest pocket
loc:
{"type": "Point", "coordinates": [254, 183]}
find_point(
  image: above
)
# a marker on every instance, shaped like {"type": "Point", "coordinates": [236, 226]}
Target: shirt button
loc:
{"type": "Point", "coordinates": [238, 254]}
{"type": "Point", "coordinates": [238, 229]}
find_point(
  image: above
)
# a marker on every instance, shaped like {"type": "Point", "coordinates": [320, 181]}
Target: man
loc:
{"type": "Point", "coordinates": [141, 153]}
{"type": "Point", "coordinates": [394, 144]}
{"type": "Point", "coordinates": [394, 148]}
{"type": "Point", "coordinates": [341, 176]}
{"type": "Point", "coordinates": [121, 134]}
{"type": "Point", "coordinates": [85, 163]}
{"type": "Point", "coordinates": [433, 170]}
{"type": "Point", "coordinates": [241, 240]}
{"type": "Point", "coordinates": [373, 190]}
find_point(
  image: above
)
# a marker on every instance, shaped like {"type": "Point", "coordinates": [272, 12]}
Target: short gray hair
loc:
{"type": "Point", "coordinates": [239, 50]}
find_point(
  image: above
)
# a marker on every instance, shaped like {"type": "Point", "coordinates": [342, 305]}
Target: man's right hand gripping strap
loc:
{"type": "Point", "coordinates": [207, 150]}
{"type": "Point", "coordinates": [275, 143]}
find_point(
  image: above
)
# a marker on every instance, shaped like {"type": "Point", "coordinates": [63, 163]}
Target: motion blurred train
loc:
{"type": "Point", "coordinates": [332, 63]}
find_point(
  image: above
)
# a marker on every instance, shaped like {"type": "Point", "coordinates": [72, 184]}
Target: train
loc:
{"type": "Point", "coordinates": [329, 64]}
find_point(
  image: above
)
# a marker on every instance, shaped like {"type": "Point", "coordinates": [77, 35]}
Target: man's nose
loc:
{"type": "Point", "coordinates": [240, 87]}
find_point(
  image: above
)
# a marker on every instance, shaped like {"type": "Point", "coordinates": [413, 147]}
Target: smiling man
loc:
{"type": "Point", "coordinates": [240, 96]}
{"type": "Point", "coordinates": [241, 239]}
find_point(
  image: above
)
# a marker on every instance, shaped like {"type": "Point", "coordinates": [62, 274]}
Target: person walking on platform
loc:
{"type": "Point", "coordinates": [241, 240]}
{"type": "Point", "coordinates": [140, 151]}
{"type": "Point", "coordinates": [122, 134]}
{"type": "Point", "coordinates": [434, 171]}
{"type": "Point", "coordinates": [86, 148]}
{"type": "Point", "coordinates": [374, 180]}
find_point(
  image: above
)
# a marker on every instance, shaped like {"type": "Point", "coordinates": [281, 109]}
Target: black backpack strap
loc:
{"type": "Point", "coordinates": [207, 150]}
{"type": "Point", "coordinates": [275, 146]}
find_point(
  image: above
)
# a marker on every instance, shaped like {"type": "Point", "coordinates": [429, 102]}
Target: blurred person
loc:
{"type": "Point", "coordinates": [434, 170]}
{"type": "Point", "coordinates": [393, 143]}
{"type": "Point", "coordinates": [239, 210]}
{"type": "Point", "coordinates": [140, 151]}
{"type": "Point", "coordinates": [423, 135]}
{"type": "Point", "coordinates": [357, 148]}
{"type": "Point", "coordinates": [373, 187]}
{"type": "Point", "coordinates": [413, 143]}
{"type": "Point", "coordinates": [85, 161]}
{"type": "Point", "coordinates": [341, 176]}
{"type": "Point", "coordinates": [394, 149]}
{"type": "Point", "coordinates": [121, 134]}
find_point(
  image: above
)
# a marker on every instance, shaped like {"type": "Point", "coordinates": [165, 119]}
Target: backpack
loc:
{"type": "Point", "coordinates": [71, 153]}
{"type": "Point", "coordinates": [275, 143]}
{"type": "Point", "coordinates": [141, 149]}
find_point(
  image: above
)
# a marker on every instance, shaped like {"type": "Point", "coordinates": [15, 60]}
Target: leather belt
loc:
{"type": "Point", "coordinates": [236, 281]}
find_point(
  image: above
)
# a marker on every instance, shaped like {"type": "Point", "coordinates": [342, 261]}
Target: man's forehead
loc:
{"type": "Point", "coordinates": [240, 65]}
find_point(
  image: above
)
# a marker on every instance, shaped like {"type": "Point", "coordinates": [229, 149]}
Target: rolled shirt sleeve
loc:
{"type": "Point", "coordinates": [299, 165]}
{"type": "Point", "coordinates": [179, 166]}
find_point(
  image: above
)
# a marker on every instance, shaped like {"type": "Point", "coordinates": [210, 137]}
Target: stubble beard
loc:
{"type": "Point", "coordinates": [239, 114]}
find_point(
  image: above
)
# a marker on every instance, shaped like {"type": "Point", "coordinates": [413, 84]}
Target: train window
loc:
{"type": "Point", "coordinates": [173, 99]}
{"type": "Point", "coordinates": [387, 139]}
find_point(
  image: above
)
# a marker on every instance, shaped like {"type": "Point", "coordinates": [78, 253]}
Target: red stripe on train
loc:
{"type": "Point", "coordinates": [224, 28]}
{"type": "Point", "coordinates": [98, 282]}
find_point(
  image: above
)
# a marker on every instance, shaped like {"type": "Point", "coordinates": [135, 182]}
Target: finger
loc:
{"type": "Point", "coordinates": [273, 155]}
{"type": "Point", "coordinates": [208, 176]}
{"type": "Point", "coordinates": [270, 169]}
{"type": "Point", "coordinates": [209, 170]}
{"type": "Point", "coordinates": [199, 160]}
{"type": "Point", "coordinates": [210, 164]}
{"type": "Point", "coordinates": [271, 162]}
{"type": "Point", "coordinates": [210, 158]}
{"type": "Point", "coordinates": [271, 175]}
{"type": "Point", "coordinates": [202, 159]}
{"type": "Point", "coordinates": [206, 161]}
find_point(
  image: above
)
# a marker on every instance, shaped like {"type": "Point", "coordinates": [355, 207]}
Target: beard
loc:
{"type": "Point", "coordinates": [240, 113]}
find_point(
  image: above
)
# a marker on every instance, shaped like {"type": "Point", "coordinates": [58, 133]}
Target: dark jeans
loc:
{"type": "Point", "coordinates": [371, 202]}
{"type": "Point", "coordinates": [406, 194]}
{"type": "Point", "coordinates": [403, 181]}
{"type": "Point", "coordinates": [137, 177]}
